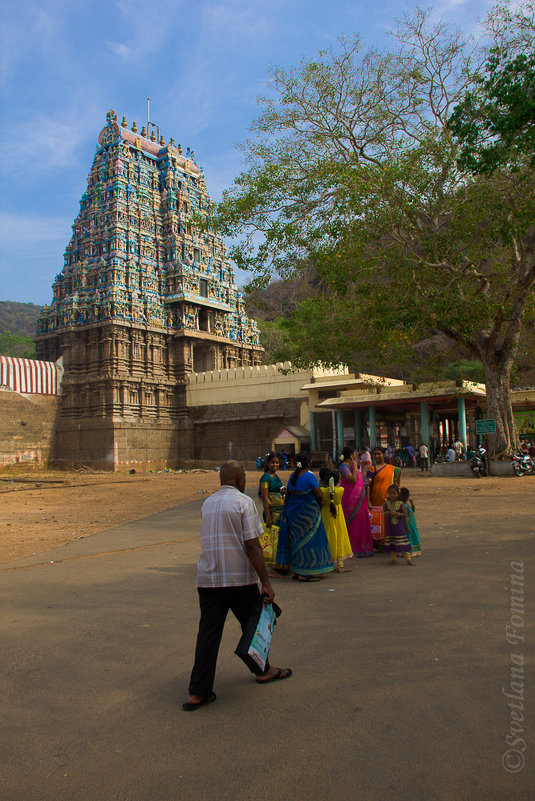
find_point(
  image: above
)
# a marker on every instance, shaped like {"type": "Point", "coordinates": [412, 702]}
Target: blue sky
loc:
{"type": "Point", "coordinates": [65, 63]}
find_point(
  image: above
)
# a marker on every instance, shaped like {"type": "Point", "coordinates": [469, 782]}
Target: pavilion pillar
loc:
{"type": "Point", "coordinates": [312, 424]}
{"type": "Point", "coordinates": [358, 428]}
{"type": "Point", "coordinates": [433, 439]}
{"type": "Point", "coordinates": [461, 408]}
{"type": "Point", "coordinates": [424, 422]}
{"type": "Point", "coordinates": [373, 432]}
{"type": "Point", "coordinates": [339, 432]}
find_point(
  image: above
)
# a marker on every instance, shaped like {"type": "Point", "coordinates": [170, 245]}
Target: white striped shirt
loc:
{"type": "Point", "coordinates": [229, 519]}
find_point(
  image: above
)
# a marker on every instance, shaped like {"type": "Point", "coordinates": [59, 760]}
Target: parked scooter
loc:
{"type": "Point", "coordinates": [523, 464]}
{"type": "Point", "coordinates": [478, 463]}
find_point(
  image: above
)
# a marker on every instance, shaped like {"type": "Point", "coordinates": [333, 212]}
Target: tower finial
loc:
{"type": "Point", "coordinates": [124, 123]}
{"type": "Point", "coordinates": [134, 127]}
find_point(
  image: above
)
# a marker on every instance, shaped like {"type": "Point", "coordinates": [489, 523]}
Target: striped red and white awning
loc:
{"type": "Point", "coordinates": [29, 375]}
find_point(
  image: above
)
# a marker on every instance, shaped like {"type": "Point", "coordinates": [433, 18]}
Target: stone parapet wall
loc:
{"type": "Point", "coordinates": [252, 383]}
{"type": "Point", "coordinates": [449, 469]}
{"type": "Point", "coordinates": [27, 427]}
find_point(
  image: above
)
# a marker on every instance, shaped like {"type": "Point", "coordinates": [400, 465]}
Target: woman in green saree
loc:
{"type": "Point", "coordinates": [270, 491]}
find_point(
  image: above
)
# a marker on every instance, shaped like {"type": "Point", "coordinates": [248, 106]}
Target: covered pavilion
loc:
{"type": "Point", "coordinates": [380, 411]}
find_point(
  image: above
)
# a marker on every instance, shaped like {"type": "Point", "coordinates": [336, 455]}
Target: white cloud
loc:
{"type": "Point", "coordinates": [21, 230]}
{"type": "Point", "coordinates": [214, 78]}
{"type": "Point", "coordinates": [120, 49]}
{"type": "Point", "coordinates": [146, 26]}
{"type": "Point", "coordinates": [237, 19]}
{"type": "Point", "coordinates": [29, 29]}
{"type": "Point", "coordinates": [46, 142]}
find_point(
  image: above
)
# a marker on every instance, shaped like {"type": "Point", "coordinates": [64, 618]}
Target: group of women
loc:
{"type": "Point", "coordinates": [305, 539]}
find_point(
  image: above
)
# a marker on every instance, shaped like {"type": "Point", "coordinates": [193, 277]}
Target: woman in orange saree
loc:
{"type": "Point", "coordinates": [380, 477]}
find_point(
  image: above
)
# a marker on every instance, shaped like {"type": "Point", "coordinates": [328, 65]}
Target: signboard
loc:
{"type": "Point", "coordinates": [487, 426]}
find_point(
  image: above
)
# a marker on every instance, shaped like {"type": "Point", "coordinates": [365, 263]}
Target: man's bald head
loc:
{"type": "Point", "coordinates": [233, 473]}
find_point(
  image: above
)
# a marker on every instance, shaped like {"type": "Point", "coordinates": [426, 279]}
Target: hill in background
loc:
{"type": "Point", "coordinates": [17, 327]}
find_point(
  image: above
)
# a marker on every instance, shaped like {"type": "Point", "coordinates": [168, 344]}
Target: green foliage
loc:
{"type": "Point", "coordinates": [495, 123]}
{"type": "Point", "coordinates": [355, 172]}
{"type": "Point", "coordinates": [19, 345]}
{"type": "Point", "coordinates": [275, 341]}
{"type": "Point", "coordinates": [464, 370]}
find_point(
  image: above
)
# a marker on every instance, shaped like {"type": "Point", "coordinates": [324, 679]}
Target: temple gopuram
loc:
{"type": "Point", "coordinates": [146, 297]}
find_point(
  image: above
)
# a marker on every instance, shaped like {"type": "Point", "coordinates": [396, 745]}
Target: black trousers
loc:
{"type": "Point", "coordinates": [215, 603]}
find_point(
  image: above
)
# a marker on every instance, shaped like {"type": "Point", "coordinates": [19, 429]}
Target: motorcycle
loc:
{"type": "Point", "coordinates": [523, 464]}
{"type": "Point", "coordinates": [478, 463]}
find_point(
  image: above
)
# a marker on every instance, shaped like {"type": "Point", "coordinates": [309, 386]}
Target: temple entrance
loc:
{"type": "Point", "coordinates": [205, 323]}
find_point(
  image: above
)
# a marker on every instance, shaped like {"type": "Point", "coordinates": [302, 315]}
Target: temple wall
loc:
{"type": "Point", "coordinates": [27, 428]}
{"type": "Point", "coordinates": [236, 413]}
{"type": "Point", "coordinates": [252, 384]}
{"type": "Point", "coordinates": [242, 430]}
{"type": "Point", "coordinates": [122, 445]}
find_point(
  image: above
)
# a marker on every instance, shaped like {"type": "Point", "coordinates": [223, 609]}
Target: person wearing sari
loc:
{"type": "Point", "coordinates": [414, 537]}
{"type": "Point", "coordinates": [334, 519]}
{"type": "Point", "coordinates": [396, 528]}
{"type": "Point", "coordinates": [355, 505]}
{"type": "Point", "coordinates": [303, 543]}
{"type": "Point", "coordinates": [270, 491]}
{"type": "Point", "coordinates": [381, 476]}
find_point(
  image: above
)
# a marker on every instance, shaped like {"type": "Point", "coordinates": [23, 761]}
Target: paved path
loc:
{"type": "Point", "coordinates": [396, 694]}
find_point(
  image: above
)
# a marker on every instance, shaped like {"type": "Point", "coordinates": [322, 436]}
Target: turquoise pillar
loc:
{"type": "Point", "coordinates": [358, 428]}
{"type": "Point", "coordinates": [312, 424]}
{"type": "Point", "coordinates": [373, 432]}
{"type": "Point", "coordinates": [339, 431]}
{"type": "Point", "coordinates": [461, 408]}
{"type": "Point", "coordinates": [424, 422]}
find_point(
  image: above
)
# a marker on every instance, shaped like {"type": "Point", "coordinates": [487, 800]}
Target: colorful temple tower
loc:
{"type": "Point", "coordinates": [146, 296]}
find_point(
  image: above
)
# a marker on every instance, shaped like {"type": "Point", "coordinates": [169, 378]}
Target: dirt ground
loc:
{"type": "Point", "coordinates": [44, 510]}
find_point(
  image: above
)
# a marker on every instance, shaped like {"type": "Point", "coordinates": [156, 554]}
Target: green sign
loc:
{"type": "Point", "coordinates": [486, 426]}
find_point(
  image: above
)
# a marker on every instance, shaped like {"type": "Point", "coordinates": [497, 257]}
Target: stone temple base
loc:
{"type": "Point", "coordinates": [122, 445]}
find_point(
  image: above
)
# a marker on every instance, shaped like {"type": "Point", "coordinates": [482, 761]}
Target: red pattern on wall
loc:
{"type": "Point", "coordinates": [29, 375]}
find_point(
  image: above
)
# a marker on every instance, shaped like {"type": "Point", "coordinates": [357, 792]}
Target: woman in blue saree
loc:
{"type": "Point", "coordinates": [303, 543]}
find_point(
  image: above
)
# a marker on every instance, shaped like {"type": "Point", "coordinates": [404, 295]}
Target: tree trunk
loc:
{"type": "Point", "coordinates": [497, 379]}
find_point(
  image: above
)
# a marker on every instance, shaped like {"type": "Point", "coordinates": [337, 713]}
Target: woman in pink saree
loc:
{"type": "Point", "coordinates": [355, 505]}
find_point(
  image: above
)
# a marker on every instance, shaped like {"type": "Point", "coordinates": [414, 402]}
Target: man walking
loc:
{"type": "Point", "coordinates": [230, 564]}
{"type": "Point", "coordinates": [458, 447]}
{"type": "Point", "coordinates": [424, 457]}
